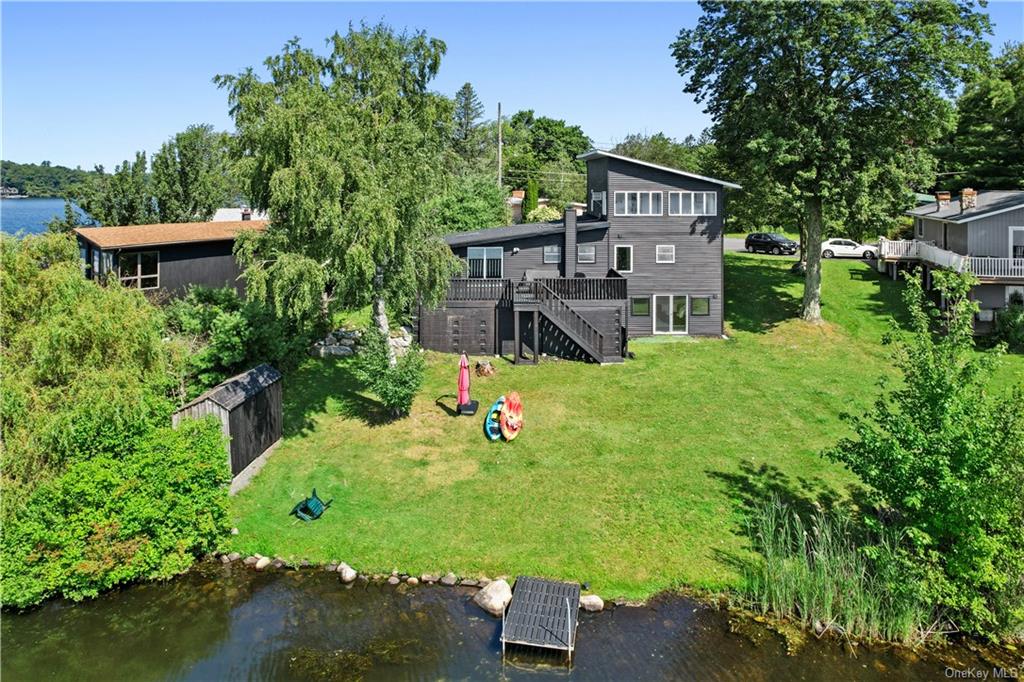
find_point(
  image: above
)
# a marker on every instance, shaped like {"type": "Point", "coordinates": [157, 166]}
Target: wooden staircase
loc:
{"type": "Point", "coordinates": [535, 295]}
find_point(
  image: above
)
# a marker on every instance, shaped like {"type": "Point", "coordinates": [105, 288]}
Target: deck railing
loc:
{"type": "Point", "coordinates": [900, 248]}
{"type": "Point", "coordinates": [927, 251]}
{"type": "Point", "coordinates": [570, 289]}
{"type": "Point", "coordinates": [997, 267]}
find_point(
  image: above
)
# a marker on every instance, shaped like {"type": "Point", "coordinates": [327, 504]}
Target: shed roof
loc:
{"type": "Point", "coordinates": [126, 236]}
{"type": "Point", "coordinates": [990, 202]}
{"type": "Point", "coordinates": [521, 231]}
{"type": "Point", "coordinates": [597, 153]}
{"type": "Point", "coordinates": [236, 390]}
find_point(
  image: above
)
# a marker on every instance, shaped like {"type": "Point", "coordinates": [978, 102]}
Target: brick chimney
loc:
{"type": "Point", "coordinates": [569, 252]}
{"type": "Point", "coordinates": [968, 199]}
{"type": "Point", "coordinates": [942, 199]}
{"type": "Point", "coordinates": [519, 194]}
{"type": "Point", "coordinates": [246, 214]}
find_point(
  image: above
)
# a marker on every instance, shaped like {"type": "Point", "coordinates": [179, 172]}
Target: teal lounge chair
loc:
{"type": "Point", "coordinates": [311, 508]}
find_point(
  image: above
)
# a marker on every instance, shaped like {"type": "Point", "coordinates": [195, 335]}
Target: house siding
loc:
{"type": "Point", "coordinates": [991, 236]}
{"type": "Point", "coordinates": [956, 239]}
{"type": "Point", "coordinates": [698, 270]}
{"type": "Point", "coordinates": [989, 296]}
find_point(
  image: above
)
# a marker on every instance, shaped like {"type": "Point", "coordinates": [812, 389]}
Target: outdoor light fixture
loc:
{"type": "Point", "coordinates": [515, 250]}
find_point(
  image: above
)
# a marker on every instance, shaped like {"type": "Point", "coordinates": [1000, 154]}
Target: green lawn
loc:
{"type": "Point", "coordinates": [633, 477]}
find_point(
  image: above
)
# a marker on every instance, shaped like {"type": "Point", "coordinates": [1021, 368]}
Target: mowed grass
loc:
{"type": "Point", "coordinates": [633, 477]}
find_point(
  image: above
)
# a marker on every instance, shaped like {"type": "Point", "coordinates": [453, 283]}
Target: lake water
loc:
{"type": "Point", "coordinates": [29, 216]}
{"type": "Point", "coordinates": [232, 623]}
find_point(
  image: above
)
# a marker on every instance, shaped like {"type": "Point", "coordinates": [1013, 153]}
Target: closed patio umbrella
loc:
{"type": "Point", "coordinates": [466, 406]}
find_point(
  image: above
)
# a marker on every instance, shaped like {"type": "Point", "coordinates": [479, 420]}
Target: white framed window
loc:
{"type": "Point", "coordinates": [638, 203]}
{"type": "Point", "coordinates": [485, 262]}
{"type": "Point", "coordinates": [624, 258]}
{"type": "Point", "coordinates": [597, 202]}
{"type": "Point", "coordinates": [693, 203]}
{"type": "Point", "coordinates": [139, 270]}
{"type": "Point", "coordinates": [553, 253]}
{"type": "Point", "coordinates": [586, 253]}
{"type": "Point", "coordinates": [670, 314]}
{"type": "Point", "coordinates": [665, 253]}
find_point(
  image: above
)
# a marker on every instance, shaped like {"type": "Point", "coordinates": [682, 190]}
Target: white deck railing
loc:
{"type": "Point", "coordinates": [944, 258]}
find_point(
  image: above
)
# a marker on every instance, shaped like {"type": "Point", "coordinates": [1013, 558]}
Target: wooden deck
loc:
{"type": "Point", "coordinates": [543, 613]}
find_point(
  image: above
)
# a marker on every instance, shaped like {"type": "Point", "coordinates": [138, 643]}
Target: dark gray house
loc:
{"type": "Point", "coordinates": [646, 258]}
{"type": "Point", "coordinates": [979, 232]}
{"type": "Point", "coordinates": [165, 257]}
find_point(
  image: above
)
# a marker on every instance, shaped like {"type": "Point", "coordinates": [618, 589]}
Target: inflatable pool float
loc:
{"type": "Point", "coordinates": [511, 419]}
{"type": "Point", "coordinates": [492, 426]}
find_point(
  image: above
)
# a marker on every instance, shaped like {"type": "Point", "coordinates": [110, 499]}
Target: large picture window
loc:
{"type": "Point", "coordinates": [553, 254]}
{"type": "Point", "coordinates": [638, 203]}
{"type": "Point", "coordinates": [485, 262]}
{"type": "Point", "coordinates": [623, 258]}
{"type": "Point", "coordinates": [693, 203]}
{"type": "Point", "coordinates": [140, 270]}
{"type": "Point", "coordinates": [586, 253]}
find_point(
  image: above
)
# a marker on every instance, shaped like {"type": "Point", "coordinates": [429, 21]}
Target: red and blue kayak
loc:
{"type": "Point", "coordinates": [492, 421]}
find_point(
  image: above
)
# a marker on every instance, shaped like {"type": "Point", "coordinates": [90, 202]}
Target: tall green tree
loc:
{"type": "Point", "coordinates": [690, 154]}
{"type": "Point", "coordinates": [543, 149]}
{"type": "Point", "coordinates": [473, 202]}
{"type": "Point", "coordinates": [467, 141]}
{"type": "Point", "coordinates": [987, 149]}
{"type": "Point", "coordinates": [814, 95]}
{"type": "Point", "coordinates": [343, 150]}
{"type": "Point", "coordinates": [121, 198]}
{"type": "Point", "coordinates": [190, 175]}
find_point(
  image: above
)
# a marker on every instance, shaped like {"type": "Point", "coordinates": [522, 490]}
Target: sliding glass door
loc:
{"type": "Point", "coordinates": [670, 314]}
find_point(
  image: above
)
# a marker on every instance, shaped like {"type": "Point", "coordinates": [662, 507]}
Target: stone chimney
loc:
{"type": "Point", "coordinates": [968, 199]}
{"type": "Point", "coordinates": [942, 199]}
{"type": "Point", "coordinates": [569, 252]}
{"type": "Point", "coordinates": [246, 214]}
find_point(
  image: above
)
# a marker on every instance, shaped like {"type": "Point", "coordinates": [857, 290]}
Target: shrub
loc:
{"type": "Point", "coordinates": [1009, 326]}
{"type": "Point", "coordinates": [473, 202]}
{"type": "Point", "coordinates": [228, 335]}
{"type": "Point", "coordinates": [395, 385]}
{"type": "Point", "coordinates": [530, 199]}
{"type": "Point", "coordinates": [948, 459]}
{"type": "Point", "coordinates": [543, 214]}
{"type": "Point", "coordinates": [109, 520]}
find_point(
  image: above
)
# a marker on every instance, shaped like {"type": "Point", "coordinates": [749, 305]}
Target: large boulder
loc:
{"type": "Point", "coordinates": [494, 597]}
{"type": "Point", "coordinates": [347, 573]}
{"type": "Point", "coordinates": [591, 602]}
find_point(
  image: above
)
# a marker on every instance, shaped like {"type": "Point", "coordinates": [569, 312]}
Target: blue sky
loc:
{"type": "Point", "coordinates": [92, 83]}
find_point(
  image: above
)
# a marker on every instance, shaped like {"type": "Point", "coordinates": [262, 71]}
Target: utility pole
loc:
{"type": "Point", "coordinates": [499, 144]}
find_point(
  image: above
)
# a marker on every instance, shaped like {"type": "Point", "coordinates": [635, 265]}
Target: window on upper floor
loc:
{"type": "Point", "coordinates": [693, 203]}
{"type": "Point", "coordinates": [597, 203]}
{"type": "Point", "coordinates": [586, 253]}
{"type": "Point", "coordinates": [665, 253]}
{"type": "Point", "coordinates": [624, 258]}
{"type": "Point", "coordinates": [485, 262]}
{"type": "Point", "coordinates": [638, 203]}
{"type": "Point", "coordinates": [552, 253]}
{"type": "Point", "coordinates": [140, 270]}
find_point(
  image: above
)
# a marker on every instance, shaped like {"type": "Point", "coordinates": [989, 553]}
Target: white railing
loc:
{"type": "Point", "coordinates": [944, 258]}
{"type": "Point", "coordinates": [997, 267]}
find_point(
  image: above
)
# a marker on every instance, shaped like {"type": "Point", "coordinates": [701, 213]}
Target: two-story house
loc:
{"type": "Point", "coordinates": [979, 232]}
{"type": "Point", "coordinates": [645, 258]}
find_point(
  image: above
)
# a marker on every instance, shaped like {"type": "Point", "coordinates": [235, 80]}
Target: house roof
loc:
{"type": "Point", "coordinates": [128, 236]}
{"type": "Point", "coordinates": [597, 153]}
{"type": "Point", "coordinates": [521, 231]}
{"type": "Point", "coordinates": [236, 390]}
{"type": "Point", "coordinates": [990, 202]}
{"type": "Point", "coordinates": [230, 214]}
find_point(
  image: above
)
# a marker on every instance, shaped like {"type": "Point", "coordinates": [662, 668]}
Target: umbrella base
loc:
{"type": "Point", "coordinates": [468, 409]}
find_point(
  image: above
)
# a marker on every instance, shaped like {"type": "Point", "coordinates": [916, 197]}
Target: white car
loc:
{"type": "Point", "coordinates": [846, 248]}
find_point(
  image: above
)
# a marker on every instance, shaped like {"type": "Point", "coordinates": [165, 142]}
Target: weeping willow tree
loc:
{"type": "Point", "coordinates": [344, 150]}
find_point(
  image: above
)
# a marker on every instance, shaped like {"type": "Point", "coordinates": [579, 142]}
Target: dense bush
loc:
{"type": "Point", "coordinates": [395, 385]}
{"type": "Point", "coordinates": [107, 519]}
{"type": "Point", "coordinates": [543, 214]}
{"type": "Point", "coordinates": [473, 202]}
{"type": "Point", "coordinates": [946, 459]}
{"type": "Point", "coordinates": [227, 335]}
{"type": "Point", "coordinates": [1010, 323]}
{"type": "Point", "coordinates": [532, 195]}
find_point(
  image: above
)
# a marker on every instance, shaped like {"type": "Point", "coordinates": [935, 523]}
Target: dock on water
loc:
{"type": "Point", "coordinates": [543, 614]}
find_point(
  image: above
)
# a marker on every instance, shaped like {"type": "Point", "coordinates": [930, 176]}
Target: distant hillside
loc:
{"type": "Point", "coordinates": [40, 179]}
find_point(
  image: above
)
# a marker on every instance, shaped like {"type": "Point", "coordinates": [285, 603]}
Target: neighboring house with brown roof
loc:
{"type": "Point", "coordinates": [166, 257]}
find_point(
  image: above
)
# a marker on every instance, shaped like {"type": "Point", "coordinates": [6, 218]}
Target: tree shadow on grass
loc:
{"type": "Point", "coordinates": [886, 299]}
{"type": "Point", "coordinates": [757, 295]}
{"type": "Point", "coordinates": [309, 388]}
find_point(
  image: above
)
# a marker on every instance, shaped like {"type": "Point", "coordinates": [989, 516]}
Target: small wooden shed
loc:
{"type": "Point", "coordinates": [249, 409]}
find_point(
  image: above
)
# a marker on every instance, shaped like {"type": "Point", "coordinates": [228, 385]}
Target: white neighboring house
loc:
{"type": "Point", "coordinates": [229, 215]}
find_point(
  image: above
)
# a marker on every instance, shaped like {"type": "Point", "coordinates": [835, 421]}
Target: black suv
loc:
{"type": "Point", "coordinates": [770, 243]}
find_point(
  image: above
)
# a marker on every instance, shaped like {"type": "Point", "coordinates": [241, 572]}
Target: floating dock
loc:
{"type": "Point", "coordinates": [542, 613]}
